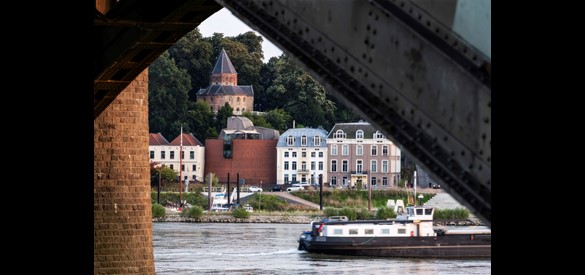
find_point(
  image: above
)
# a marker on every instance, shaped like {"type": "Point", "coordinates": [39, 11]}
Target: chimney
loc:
{"type": "Point", "coordinates": [293, 124]}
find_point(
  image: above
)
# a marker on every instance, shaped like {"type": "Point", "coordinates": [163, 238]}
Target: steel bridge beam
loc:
{"type": "Point", "coordinates": [392, 62]}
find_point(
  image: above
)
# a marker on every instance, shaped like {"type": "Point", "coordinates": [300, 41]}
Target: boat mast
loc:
{"type": "Point", "coordinates": [414, 186]}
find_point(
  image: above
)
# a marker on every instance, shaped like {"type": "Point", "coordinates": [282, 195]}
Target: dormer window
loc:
{"type": "Point", "coordinates": [339, 134]}
{"type": "Point", "coordinates": [303, 140]}
{"type": "Point", "coordinates": [359, 134]}
{"type": "Point", "coordinates": [317, 140]}
{"type": "Point", "coordinates": [290, 140]}
{"type": "Point", "coordinates": [378, 135]}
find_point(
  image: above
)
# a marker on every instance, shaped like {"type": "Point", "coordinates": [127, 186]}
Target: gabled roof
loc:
{"type": "Point", "coordinates": [223, 64]}
{"type": "Point", "coordinates": [157, 139]}
{"type": "Point", "coordinates": [188, 140]}
{"type": "Point", "coordinates": [214, 90]}
{"type": "Point", "coordinates": [351, 128]}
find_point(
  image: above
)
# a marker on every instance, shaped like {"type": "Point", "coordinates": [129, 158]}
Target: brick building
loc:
{"type": "Point", "coordinates": [243, 149]}
{"type": "Point", "coordinates": [223, 88]}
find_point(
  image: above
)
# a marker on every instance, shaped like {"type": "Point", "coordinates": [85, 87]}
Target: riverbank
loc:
{"type": "Point", "coordinates": [275, 217]}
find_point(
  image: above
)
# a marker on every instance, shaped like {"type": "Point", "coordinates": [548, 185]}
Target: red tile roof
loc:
{"type": "Point", "coordinates": [157, 139]}
{"type": "Point", "coordinates": [188, 140]}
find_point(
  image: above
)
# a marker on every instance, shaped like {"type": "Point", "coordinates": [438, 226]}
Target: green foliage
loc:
{"type": "Point", "coordinates": [168, 87]}
{"type": "Point", "coordinates": [194, 212]}
{"type": "Point", "coordinates": [268, 202]}
{"type": "Point", "coordinates": [240, 213]}
{"type": "Point", "coordinates": [451, 214]}
{"type": "Point", "coordinates": [350, 212]}
{"type": "Point", "coordinates": [385, 213]}
{"type": "Point", "coordinates": [193, 198]}
{"type": "Point", "coordinates": [158, 210]}
{"type": "Point", "coordinates": [354, 198]}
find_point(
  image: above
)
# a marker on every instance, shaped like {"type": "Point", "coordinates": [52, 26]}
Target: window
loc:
{"type": "Point", "coordinates": [317, 140]}
{"type": "Point", "coordinates": [359, 165]}
{"type": "Point", "coordinates": [321, 165]}
{"type": "Point", "coordinates": [191, 154]}
{"type": "Point", "coordinates": [378, 135]}
{"type": "Point", "coordinates": [334, 150]}
{"type": "Point", "coordinates": [162, 154]}
{"type": "Point", "coordinates": [290, 140]}
{"type": "Point", "coordinates": [303, 140]}
{"type": "Point", "coordinates": [333, 181]}
{"type": "Point", "coordinates": [182, 167]}
{"type": "Point", "coordinates": [285, 178]}
{"type": "Point", "coordinates": [294, 177]}
{"type": "Point", "coordinates": [428, 211]}
{"type": "Point", "coordinates": [384, 166]}
{"type": "Point", "coordinates": [359, 134]}
{"type": "Point", "coordinates": [345, 150]}
{"type": "Point", "coordinates": [313, 167]}
{"type": "Point", "coordinates": [303, 154]}
{"type": "Point", "coordinates": [353, 231]}
{"type": "Point", "coordinates": [337, 231]}
{"type": "Point", "coordinates": [294, 154]}
{"type": "Point", "coordinates": [359, 150]}
{"type": "Point", "coordinates": [385, 231]}
{"type": "Point", "coordinates": [286, 154]}
{"type": "Point", "coordinates": [304, 166]}
{"type": "Point", "coordinates": [151, 154]}
{"type": "Point", "coordinates": [345, 182]}
{"type": "Point", "coordinates": [172, 167]}
{"type": "Point", "coordinates": [419, 211]}
{"type": "Point", "coordinates": [320, 154]}
{"type": "Point", "coordinates": [384, 150]}
{"type": "Point", "coordinates": [401, 230]}
{"type": "Point", "coordinates": [194, 168]}
{"type": "Point", "coordinates": [333, 165]}
{"type": "Point", "coordinates": [339, 134]}
{"type": "Point", "coordinates": [374, 150]}
{"type": "Point", "coordinates": [172, 154]}
{"type": "Point", "coordinates": [369, 231]}
{"type": "Point", "coordinates": [374, 166]}
{"type": "Point", "coordinates": [286, 165]}
{"type": "Point", "coordinates": [313, 154]}
{"type": "Point", "coordinates": [294, 165]}
{"type": "Point", "coordinates": [384, 181]}
{"type": "Point", "coordinates": [344, 166]}
{"type": "Point", "coordinates": [373, 181]}
{"type": "Point", "coordinates": [182, 154]}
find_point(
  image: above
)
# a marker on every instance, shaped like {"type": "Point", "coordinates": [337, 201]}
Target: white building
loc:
{"type": "Point", "coordinates": [301, 156]}
{"type": "Point", "coordinates": [359, 154]}
{"type": "Point", "coordinates": [167, 153]}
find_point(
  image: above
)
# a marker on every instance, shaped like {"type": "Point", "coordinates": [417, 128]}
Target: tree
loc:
{"type": "Point", "coordinates": [223, 114]}
{"type": "Point", "coordinates": [201, 120]}
{"type": "Point", "coordinates": [194, 54]}
{"type": "Point", "coordinates": [279, 119]}
{"type": "Point", "coordinates": [168, 88]}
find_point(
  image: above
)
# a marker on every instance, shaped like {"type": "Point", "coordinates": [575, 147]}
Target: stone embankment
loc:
{"type": "Point", "coordinates": [276, 218]}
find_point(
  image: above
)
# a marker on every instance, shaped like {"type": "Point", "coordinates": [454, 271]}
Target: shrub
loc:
{"type": "Point", "coordinates": [194, 212]}
{"type": "Point", "coordinates": [241, 213]}
{"type": "Point", "coordinates": [451, 214]}
{"type": "Point", "coordinates": [158, 210]}
{"type": "Point", "coordinates": [385, 213]}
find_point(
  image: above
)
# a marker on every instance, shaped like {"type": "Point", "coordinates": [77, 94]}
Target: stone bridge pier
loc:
{"type": "Point", "coordinates": [122, 200]}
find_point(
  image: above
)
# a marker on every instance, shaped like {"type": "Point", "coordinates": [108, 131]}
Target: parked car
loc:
{"type": "Point", "coordinates": [436, 186]}
{"type": "Point", "coordinates": [294, 187]}
{"type": "Point", "coordinates": [255, 189]}
{"type": "Point", "coordinates": [276, 188]}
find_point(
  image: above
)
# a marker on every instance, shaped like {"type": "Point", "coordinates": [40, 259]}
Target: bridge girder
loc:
{"type": "Point", "coordinates": [390, 61]}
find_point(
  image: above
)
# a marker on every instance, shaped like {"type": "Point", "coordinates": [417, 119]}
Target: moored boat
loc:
{"type": "Point", "coordinates": [411, 234]}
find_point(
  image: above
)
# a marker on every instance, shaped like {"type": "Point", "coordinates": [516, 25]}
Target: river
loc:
{"type": "Point", "coordinates": [264, 248]}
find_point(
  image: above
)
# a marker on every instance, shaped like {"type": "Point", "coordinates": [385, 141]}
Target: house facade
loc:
{"type": "Point", "coordinates": [360, 155]}
{"type": "Point", "coordinates": [192, 164]}
{"type": "Point", "coordinates": [223, 88]}
{"type": "Point", "coordinates": [301, 156]}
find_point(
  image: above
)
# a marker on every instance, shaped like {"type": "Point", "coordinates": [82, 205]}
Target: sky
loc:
{"type": "Point", "coordinates": [225, 22]}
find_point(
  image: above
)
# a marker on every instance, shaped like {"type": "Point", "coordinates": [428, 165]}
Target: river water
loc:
{"type": "Point", "coordinates": [263, 248]}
